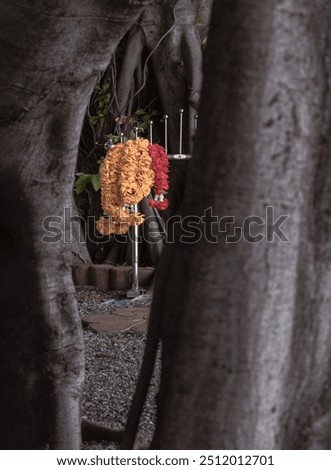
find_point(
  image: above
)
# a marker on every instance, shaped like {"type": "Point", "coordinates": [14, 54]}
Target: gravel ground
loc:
{"type": "Point", "coordinates": [112, 367]}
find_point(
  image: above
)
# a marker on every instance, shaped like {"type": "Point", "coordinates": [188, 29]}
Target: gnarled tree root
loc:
{"type": "Point", "coordinates": [92, 431]}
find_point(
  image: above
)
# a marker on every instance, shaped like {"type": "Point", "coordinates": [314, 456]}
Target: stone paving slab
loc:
{"type": "Point", "coordinates": [132, 319]}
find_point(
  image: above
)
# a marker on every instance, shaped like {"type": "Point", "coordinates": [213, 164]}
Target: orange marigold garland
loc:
{"type": "Point", "coordinates": [126, 177]}
{"type": "Point", "coordinates": [127, 174]}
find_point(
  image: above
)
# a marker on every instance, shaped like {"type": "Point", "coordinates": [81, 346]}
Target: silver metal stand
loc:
{"type": "Point", "coordinates": [165, 117]}
{"type": "Point", "coordinates": [180, 155]}
{"type": "Point", "coordinates": [196, 116]}
{"type": "Point", "coordinates": [150, 123]}
{"type": "Point", "coordinates": [134, 291]}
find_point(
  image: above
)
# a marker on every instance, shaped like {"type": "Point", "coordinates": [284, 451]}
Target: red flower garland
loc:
{"type": "Point", "coordinates": [158, 204]}
{"type": "Point", "coordinates": [160, 166]}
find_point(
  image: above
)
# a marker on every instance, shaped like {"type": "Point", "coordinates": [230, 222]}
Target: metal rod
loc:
{"type": "Point", "coordinates": [121, 137]}
{"type": "Point", "coordinates": [150, 131]}
{"type": "Point", "coordinates": [196, 116]}
{"type": "Point", "coordinates": [134, 291]}
{"type": "Point", "coordinates": [181, 111]}
{"type": "Point", "coordinates": [165, 117]}
{"type": "Point", "coordinates": [135, 257]}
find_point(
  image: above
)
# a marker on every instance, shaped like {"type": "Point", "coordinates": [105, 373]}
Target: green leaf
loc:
{"type": "Point", "coordinates": [81, 203]}
{"type": "Point", "coordinates": [105, 87]}
{"type": "Point", "coordinates": [81, 182]}
{"type": "Point", "coordinates": [94, 120]}
{"type": "Point", "coordinates": [95, 180]}
{"type": "Point", "coordinates": [139, 112]}
{"type": "Point", "coordinates": [144, 126]}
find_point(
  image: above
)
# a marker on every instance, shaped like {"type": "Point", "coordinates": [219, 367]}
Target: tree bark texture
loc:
{"type": "Point", "coordinates": [52, 54]}
{"type": "Point", "coordinates": [246, 329]}
{"type": "Point", "coordinates": [177, 65]}
{"type": "Point", "coordinates": [173, 32]}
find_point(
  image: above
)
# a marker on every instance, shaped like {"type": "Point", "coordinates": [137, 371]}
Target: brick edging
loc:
{"type": "Point", "coordinates": [107, 276]}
